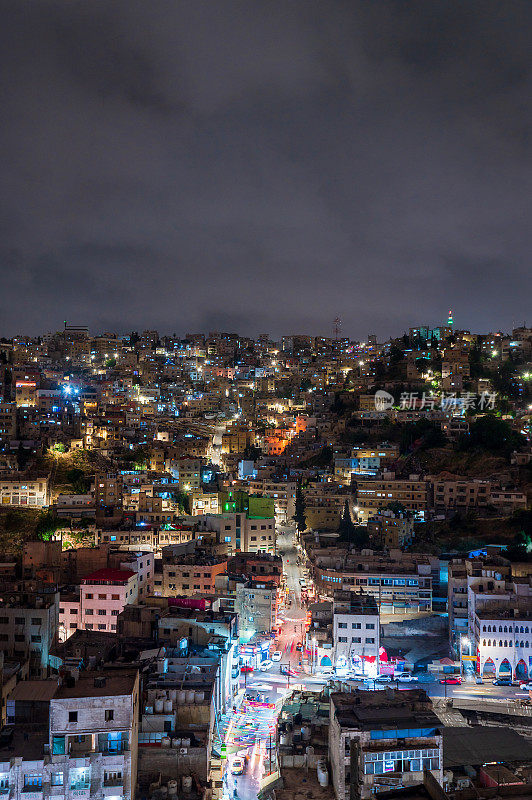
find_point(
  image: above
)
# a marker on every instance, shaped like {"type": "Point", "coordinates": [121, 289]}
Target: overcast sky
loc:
{"type": "Point", "coordinates": [265, 167]}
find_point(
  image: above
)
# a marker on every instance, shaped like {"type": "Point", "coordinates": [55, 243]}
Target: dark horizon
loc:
{"type": "Point", "coordinates": [193, 167]}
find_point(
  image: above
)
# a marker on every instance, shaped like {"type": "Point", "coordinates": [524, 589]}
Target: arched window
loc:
{"type": "Point", "coordinates": [522, 629]}
{"type": "Point", "coordinates": [522, 644]}
{"type": "Point", "coordinates": [489, 628]}
{"type": "Point", "coordinates": [484, 643]}
{"type": "Point", "coordinates": [526, 629]}
{"type": "Point", "coordinates": [505, 629]}
{"type": "Point", "coordinates": [506, 642]}
{"type": "Point", "coordinates": [526, 644]}
{"type": "Point", "coordinates": [500, 642]}
{"type": "Point", "coordinates": [500, 628]}
{"type": "Point", "coordinates": [517, 644]}
{"type": "Point", "coordinates": [483, 629]}
{"type": "Point", "coordinates": [510, 628]}
{"type": "Point", "coordinates": [510, 643]}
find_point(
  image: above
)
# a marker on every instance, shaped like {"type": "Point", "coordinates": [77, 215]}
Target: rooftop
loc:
{"type": "Point", "coordinates": [100, 683]}
{"type": "Point", "coordinates": [367, 710]}
{"type": "Point", "coordinates": [463, 746]}
{"type": "Point", "coordinates": [109, 576]}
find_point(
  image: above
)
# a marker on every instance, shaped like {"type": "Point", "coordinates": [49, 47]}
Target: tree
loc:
{"type": "Point", "coordinates": [299, 516]}
{"type": "Point", "coordinates": [346, 528]}
{"type": "Point", "coordinates": [493, 434]}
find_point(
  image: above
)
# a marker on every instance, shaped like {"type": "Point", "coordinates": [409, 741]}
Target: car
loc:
{"type": "Point", "coordinates": [502, 682]}
{"type": "Point", "coordinates": [383, 679]}
{"type": "Point", "coordinates": [246, 668]}
{"type": "Point", "coordinates": [452, 680]}
{"type": "Point", "coordinates": [277, 655]}
{"type": "Point", "coordinates": [527, 687]}
{"type": "Point", "coordinates": [406, 677]}
{"type": "Point", "coordinates": [265, 665]}
{"type": "Point", "coordinates": [237, 767]}
{"type": "Point", "coordinates": [479, 679]}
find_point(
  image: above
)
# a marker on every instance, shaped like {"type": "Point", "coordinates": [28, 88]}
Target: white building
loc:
{"type": "Point", "coordinates": [24, 492]}
{"type": "Point", "coordinates": [356, 633]}
{"type": "Point", "coordinates": [94, 737]}
{"type": "Point", "coordinates": [503, 639]}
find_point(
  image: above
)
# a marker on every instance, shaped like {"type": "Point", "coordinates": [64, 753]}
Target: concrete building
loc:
{"type": "Point", "coordinates": [382, 739]}
{"type": "Point", "coordinates": [94, 735]}
{"type": "Point", "coordinates": [390, 530]}
{"type": "Point", "coordinates": [103, 595]}
{"type": "Point", "coordinates": [190, 574]}
{"type": "Point", "coordinates": [372, 495]}
{"type": "Point", "coordinates": [28, 627]}
{"type": "Point", "coordinates": [239, 532]}
{"type": "Point", "coordinates": [24, 491]}
{"type": "Point", "coordinates": [255, 604]}
{"type": "Point", "coordinates": [356, 633]}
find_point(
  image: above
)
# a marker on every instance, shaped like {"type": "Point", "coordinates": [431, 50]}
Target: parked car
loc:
{"type": "Point", "coordinates": [383, 678]}
{"type": "Point", "coordinates": [277, 655]}
{"type": "Point", "coordinates": [246, 669]}
{"type": "Point", "coordinates": [265, 665]}
{"type": "Point", "coordinates": [527, 687]}
{"type": "Point", "coordinates": [503, 682]}
{"type": "Point", "coordinates": [406, 677]}
{"type": "Point", "coordinates": [479, 679]}
{"type": "Point", "coordinates": [237, 767]}
{"type": "Point", "coordinates": [452, 680]}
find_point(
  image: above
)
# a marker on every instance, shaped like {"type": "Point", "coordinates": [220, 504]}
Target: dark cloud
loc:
{"type": "Point", "coordinates": [264, 166]}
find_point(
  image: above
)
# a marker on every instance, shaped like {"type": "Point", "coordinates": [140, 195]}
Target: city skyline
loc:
{"type": "Point", "coordinates": [238, 168]}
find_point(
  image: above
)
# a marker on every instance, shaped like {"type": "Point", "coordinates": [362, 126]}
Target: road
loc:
{"type": "Point", "coordinates": [250, 729]}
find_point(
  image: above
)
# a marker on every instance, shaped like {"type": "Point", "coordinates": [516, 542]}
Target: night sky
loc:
{"type": "Point", "coordinates": [264, 166]}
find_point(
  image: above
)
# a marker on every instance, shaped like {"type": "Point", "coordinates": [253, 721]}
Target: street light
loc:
{"type": "Point", "coordinates": [464, 642]}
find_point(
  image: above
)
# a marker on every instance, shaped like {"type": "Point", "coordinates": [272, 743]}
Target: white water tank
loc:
{"type": "Point", "coordinates": [190, 696]}
{"type": "Point", "coordinates": [186, 783]}
{"type": "Point", "coordinates": [323, 775]}
{"type": "Point", "coordinates": [172, 788]}
{"type": "Point", "coordinates": [176, 742]}
{"type": "Point", "coordinates": [172, 694]}
{"type": "Point", "coordinates": [168, 706]}
{"type": "Point", "coordinates": [199, 697]}
{"type": "Point", "coordinates": [181, 697]}
{"type": "Point", "coordinates": [148, 709]}
{"type": "Point", "coordinates": [185, 742]}
{"type": "Point", "coordinates": [159, 706]}
{"type": "Point", "coordinates": [165, 741]}
{"type": "Point", "coordinates": [284, 739]}
{"type": "Point", "coordinates": [305, 733]}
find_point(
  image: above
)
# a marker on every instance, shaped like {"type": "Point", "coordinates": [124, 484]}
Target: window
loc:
{"type": "Point", "coordinates": [115, 597]}
{"type": "Point", "coordinates": [356, 639]}
{"type": "Point", "coordinates": [35, 620]}
{"type": "Point", "coordinates": [101, 626]}
{"type": "Point", "coordinates": [33, 782]}
{"type": "Point", "coordinates": [370, 641]}
{"type": "Point", "coordinates": [114, 613]}
{"type": "Point", "coordinates": [20, 621]}
{"type": "Point", "coordinates": [89, 596]}
{"type": "Point", "coordinates": [342, 624]}
{"type": "Point", "coordinates": [72, 716]}
{"type": "Point", "coordinates": [102, 612]}
{"type": "Point", "coordinates": [57, 779]}
{"type": "Point", "coordinates": [109, 714]}
{"type": "Point", "coordinates": [342, 638]}
{"type": "Point", "coordinates": [89, 612]}
{"type": "Point", "coordinates": [36, 639]}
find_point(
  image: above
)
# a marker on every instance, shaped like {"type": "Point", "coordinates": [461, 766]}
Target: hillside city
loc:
{"type": "Point", "coordinates": [240, 568]}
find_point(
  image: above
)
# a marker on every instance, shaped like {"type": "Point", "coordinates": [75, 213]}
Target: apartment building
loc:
{"type": "Point", "coordinates": [372, 495]}
{"type": "Point", "coordinates": [240, 532]}
{"type": "Point", "coordinates": [390, 530]}
{"type": "Point", "coordinates": [103, 595]}
{"type": "Point", "coordinates": [459, 493]}
{"type": "Point", "coordinates": [28, 627]}
{"type": "Point", "coordinates": [400, 582]}
{"type": "Point", "coordinates": [356, 633]}
{"type": "Point", "coordinates": [255, 604]}
{"type": "Point", "coordinates": [107, 494]}
{"type": "Point", "coordinates": [502, 639]}
{"type": "Point", "coordinates": [257, 566]}
{"type": "Point", "coordinates": [190, 574]}
{"type": "Point", "coordinates": [93, 737]}
{"type": "Point", "coordinates": [24, 491]}
{"type": "Point", "coordinates": [381, 738]}
{"type": "Point", "coordinates": [282, 492]}
{"type": "Point", "coordinates": [8, 421]}
{"type": "Point", "coordinates": [345, 467]}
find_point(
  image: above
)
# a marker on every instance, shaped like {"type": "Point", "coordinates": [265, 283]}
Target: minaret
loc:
{"type": "Point", "coordinates": [450, 321]}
